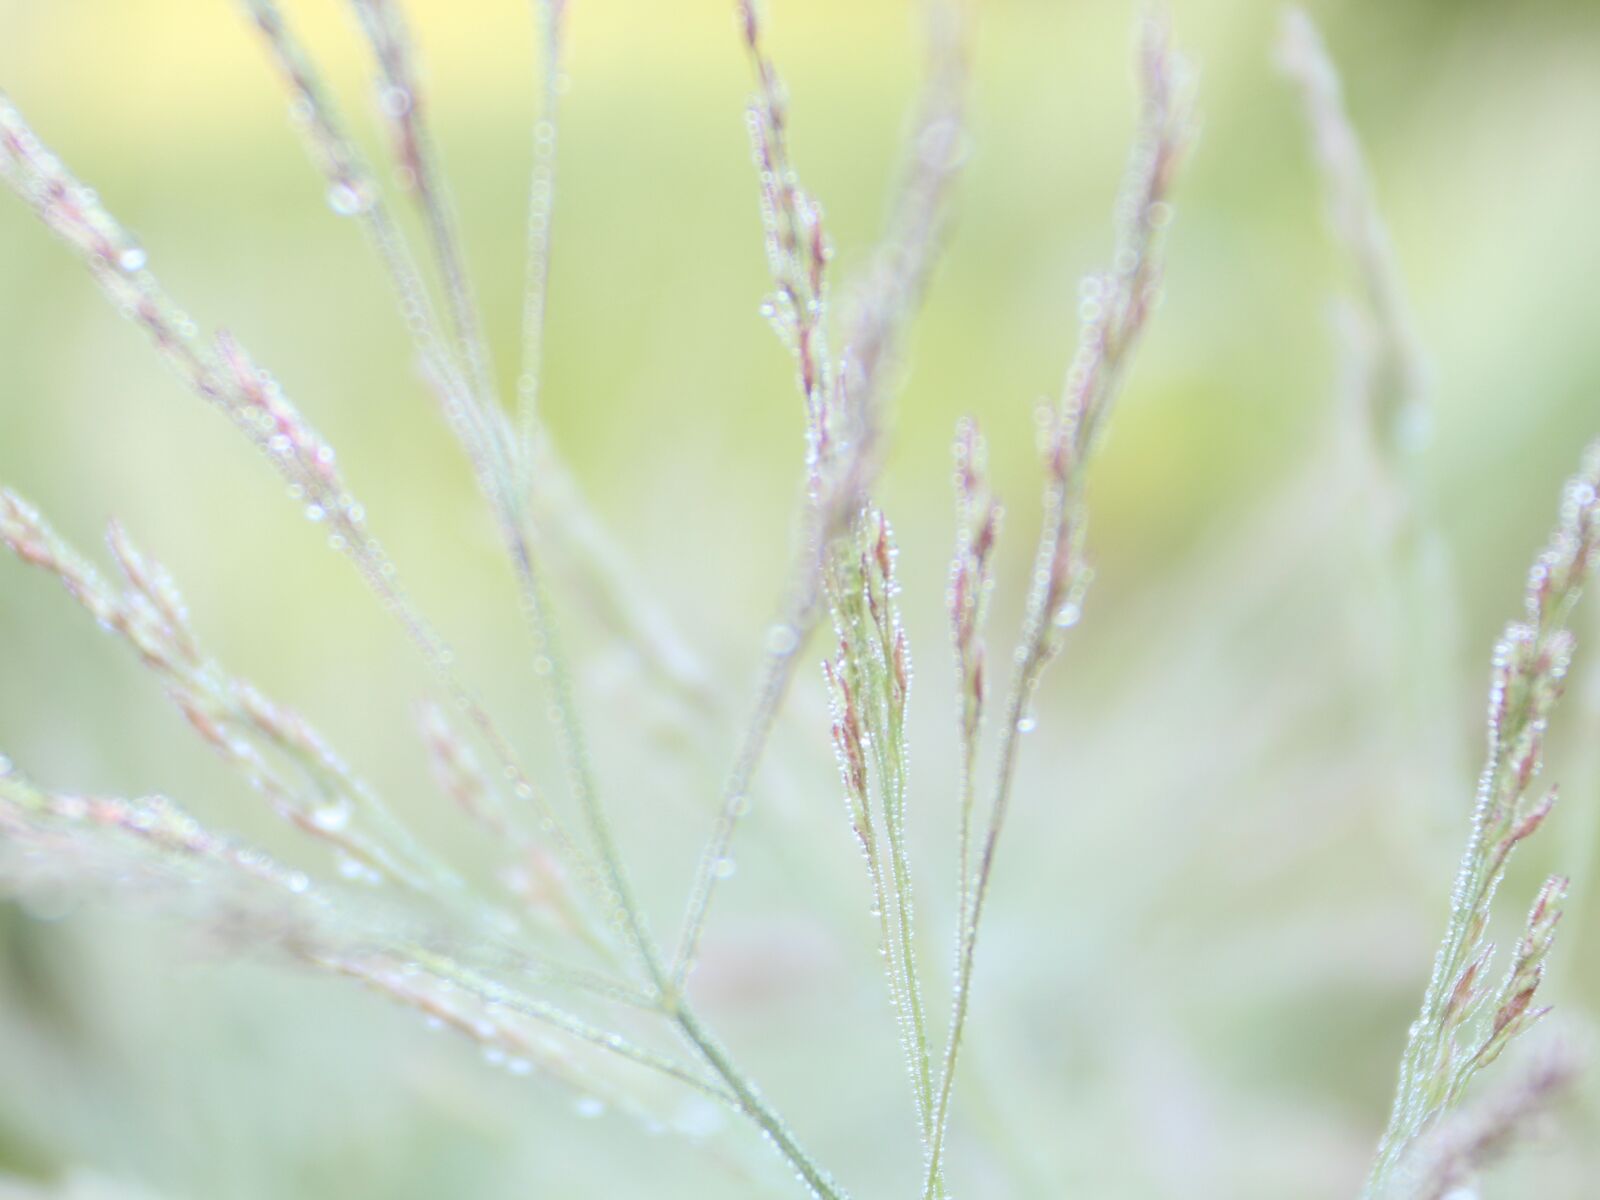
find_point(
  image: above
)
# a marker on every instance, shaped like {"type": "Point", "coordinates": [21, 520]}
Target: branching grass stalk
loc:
{"type": "Point", "coordinates": [402, 103]}
{"type": "Point", "coordinates": [839, 476]}
{"type": "Point", "coordinates": [484, 422]}
{"type": "Point", "coordinates": [1116, 307]}
{"type": "Point", "coordinates": [226, 378]}
{"type": "Point", "coordinates": [406, 925]}
{"type": "Point", "coordinates": [476, 420]}
{"type": "Point", "coordinates": [1464, 1023]}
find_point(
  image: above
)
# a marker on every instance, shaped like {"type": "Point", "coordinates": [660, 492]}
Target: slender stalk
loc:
{"type": "Point", "coordinates": [476, 419]}
{"type": "Point", "coordinates": [883, 301]}
{"type": "Point", "coordinates": [967, 936]}
{"type": "Point", "coordinates": [550, 662]}
{"type": "Point", "coordinates": [560, 512]}
{"type": "Point", "coordinates": [1116, 309]}
{"type": "Point", "coordinates": [978, 520]}
{"type": "Point", "coordinates": [785, 638]}
{"type": "Point", "coordinates": [354, 192]}
{"type": "Point", "coordinates": [401, 101]}
{"type": "Point", "coordinates": [751, 1103]}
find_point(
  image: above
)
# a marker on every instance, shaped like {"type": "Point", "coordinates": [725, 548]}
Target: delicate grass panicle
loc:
{"type": "Point", "coordinates": [1468, 1019]}
{"type": "Point", "coordinates": [549, 962]}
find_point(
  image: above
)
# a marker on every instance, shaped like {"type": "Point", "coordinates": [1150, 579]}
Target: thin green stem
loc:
{"type": "Point", "coordinates": [750, 1102]}
{"type": "Point", "coordinates": [1016, 708]}
{"type": "Point", "coordinates": [786, 636]}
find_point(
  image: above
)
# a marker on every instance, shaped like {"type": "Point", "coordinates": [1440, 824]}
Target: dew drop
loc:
{"type": "Point", "coordinates": [725, 868]}
{"type": "Point", "coordinates": [782, 640]}
{"type": "Point", "coordinates": [331, 818]}
{"type": "Point", "coordinates": [589, 1107]}
{"type": "Point", "coordinates": [358, 872]}
{"type": "Point", "coordinates": [394, 101]}
{"type": "Point", "coordinates": [347, 199]}
{"type": "Point", "coordinates": [1027, 723]}
{"type": "Point", "coordinates": [132, 258]}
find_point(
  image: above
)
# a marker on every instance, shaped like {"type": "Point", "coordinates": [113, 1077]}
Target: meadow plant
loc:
{"type": "Point", "coordinates": [1465, 1023]}
{"type": "Point", "coordinates": [1467, 1019]}
{"type": "Point", "coordinates": [550, 963]}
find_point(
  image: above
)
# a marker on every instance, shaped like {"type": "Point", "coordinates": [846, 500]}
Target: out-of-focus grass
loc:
{"type": "Point", "coordinates": [1209, 939]}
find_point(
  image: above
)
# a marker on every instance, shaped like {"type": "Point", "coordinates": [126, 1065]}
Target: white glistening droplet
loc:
{"type": "Point", "coordinates": [394, 101]}
{"type": "Point", "coordinates": [348, 199]}
{"type": "Point", "coordinates": [782, 640]}
{"type": "Point", "coordinates": [331, 818]}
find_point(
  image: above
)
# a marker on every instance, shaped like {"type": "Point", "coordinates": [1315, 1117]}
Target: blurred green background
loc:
{"type": "Point", "coordinates": [1236, 827]}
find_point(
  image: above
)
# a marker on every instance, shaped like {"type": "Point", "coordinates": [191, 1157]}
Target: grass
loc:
{"type": "Point", "coordinates": [552, 962]}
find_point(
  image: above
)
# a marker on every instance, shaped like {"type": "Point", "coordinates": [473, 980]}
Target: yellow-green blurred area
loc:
{"type": "Point", "coordinates": [1236, 825]}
